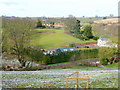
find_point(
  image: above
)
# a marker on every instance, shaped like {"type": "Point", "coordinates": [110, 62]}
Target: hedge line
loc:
{"type": "Point", "coordinates": [71, 56]}
{"type": "Point", "coordinates": [37, 55]}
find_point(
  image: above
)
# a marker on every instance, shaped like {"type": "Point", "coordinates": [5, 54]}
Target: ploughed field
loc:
{"type": "Point", "coordinates": [55, 78]}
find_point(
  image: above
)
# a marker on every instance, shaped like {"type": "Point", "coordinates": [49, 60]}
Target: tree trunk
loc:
{"type": "Point", "coordinates": [114, 60]}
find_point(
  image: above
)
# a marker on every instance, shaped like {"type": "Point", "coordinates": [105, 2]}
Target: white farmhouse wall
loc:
{"type": "Point", "coordinates": [103, 42]}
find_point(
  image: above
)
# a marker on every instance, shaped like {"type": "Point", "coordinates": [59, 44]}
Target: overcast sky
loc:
{"type": "Point", "coordinates": [58, 8]}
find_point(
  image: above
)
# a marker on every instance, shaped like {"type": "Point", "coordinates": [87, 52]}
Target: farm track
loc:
{"type": "Point", "coordinates": [84, 62]}
{"type": "Point", "coordinates": [63, 71]}
{"type": "Point", "coordinates": [105, 67]}
{"type": "Point", "coordinates": [68, 65]}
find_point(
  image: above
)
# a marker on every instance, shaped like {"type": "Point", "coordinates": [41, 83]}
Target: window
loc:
{"type": "Point", "coordinates": [71, 49]}
{"type": "Point", "coordinates": [65, 49]}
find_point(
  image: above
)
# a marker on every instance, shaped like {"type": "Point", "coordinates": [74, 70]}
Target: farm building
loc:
{"type": "Point", "coordinates": [65, 49]}
{"type": "Point", "coordinates": [104, 42]}
{"type": "Point", "coordinates": [48, 51]}
{"type": "Point", "coordinates": [86, 45]}
{"type": "Point", "coordinates": [58, 25]}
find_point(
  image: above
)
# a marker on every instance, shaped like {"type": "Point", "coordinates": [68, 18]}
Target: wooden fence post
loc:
{"type": "Point", "coordinates": [66, 82]}
{"type": "Point", "coordinates": [77, 79]}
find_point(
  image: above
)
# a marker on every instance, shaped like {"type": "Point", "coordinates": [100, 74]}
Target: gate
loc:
{"type": "Point", "coordinates": [77, 79]}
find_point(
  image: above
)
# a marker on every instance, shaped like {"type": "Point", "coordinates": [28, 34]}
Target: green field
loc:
{"type": "Point", "coordinates": [84, 24]}
{"type": "Point", "coordinates": [89, 19]}
{"type": "Point", "coordinates": [53, 38]}
{"type": "Point", "coordinates": [113, 66]}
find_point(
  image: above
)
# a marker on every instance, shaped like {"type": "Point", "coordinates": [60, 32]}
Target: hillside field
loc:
{"type": "Point", "coordinates": [107, 28]}
{"type": "Point", "coordinates": [53, 38]}
{"type": "Point", "coordinates": [107, 21]}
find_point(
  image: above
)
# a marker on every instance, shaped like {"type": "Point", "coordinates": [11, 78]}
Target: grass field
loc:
{"type": "Point", "coordinates": [89, 19]}
{"type": "Point", "coordinates": [107, 28]}
{"type": "Point", "coordinates": [53, 38]}
{"type": "Point", "coordinates": [106, 21]}
{"type": "Point", "coordinates": [113, 66]}
{"type": "Point", "coordinates": [84, 24]}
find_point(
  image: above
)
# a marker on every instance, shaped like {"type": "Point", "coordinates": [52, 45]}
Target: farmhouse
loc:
{"type": "Point", "coordinates": [58, 25]}
{"type": "Point", "coordinates": [104, 42]}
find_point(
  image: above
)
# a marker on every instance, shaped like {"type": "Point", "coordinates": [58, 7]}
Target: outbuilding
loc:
{"type": "Point", "coordinates": [65, 49]}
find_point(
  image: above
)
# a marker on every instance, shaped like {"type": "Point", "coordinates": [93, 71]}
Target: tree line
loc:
{"type": "Point", "coordinates": [73, 27]}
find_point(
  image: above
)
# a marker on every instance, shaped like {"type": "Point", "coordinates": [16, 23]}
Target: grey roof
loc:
{"type": "Point", "coordinates": [104, 39]}
{"type": "Point", "coordinates": [66, 49]}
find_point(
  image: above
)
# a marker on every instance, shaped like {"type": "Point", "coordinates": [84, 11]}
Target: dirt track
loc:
{"type": "Point", "coordinates": [83, 62]}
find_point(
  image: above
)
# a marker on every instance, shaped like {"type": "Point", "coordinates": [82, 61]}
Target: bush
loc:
{"type": "Point", "coordinates": [72, 45]}
{"type": "Point", "coordinates": [95, 38]}
{"type": "Point", "coordinates": [104, 61]}
{"type": "Point", "coordinates": [83, 37]}
{"type": "Point", "coordinates": [47, 60]}
{"type": "Point", "coordinates": [35, 55]}
{"type": "Point", "coordinates": [107, 53]}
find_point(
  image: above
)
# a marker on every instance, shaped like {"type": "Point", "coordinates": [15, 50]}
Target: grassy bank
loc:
{"type": "Point", "coordinates": [112, 66]}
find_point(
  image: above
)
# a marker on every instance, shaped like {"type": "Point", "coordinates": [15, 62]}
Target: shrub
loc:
{"type": "Point", "coordinates": [108, 53]}
{"type": "Point", "coordinates": [104, 61]}
{"type": "Point", "coordinates": [47, 60]}
{"type": "Point", "coordinates": [95, 38]}
{"type": "Point", "coordinates": [72, 45]}
{"type": "Point", "coordinates": [35, 55]}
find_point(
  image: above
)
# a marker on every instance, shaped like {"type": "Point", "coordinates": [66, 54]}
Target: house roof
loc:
{"type": "Point", "coordinates": [85, 44]}
{"type": "Point", "coordinates": [104, 39]}
{"type": "Point", "coordinates": [67, 49]}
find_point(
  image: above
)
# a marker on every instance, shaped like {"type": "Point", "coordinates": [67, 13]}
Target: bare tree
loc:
{"type": "Point", "coordinates": [18, 31]}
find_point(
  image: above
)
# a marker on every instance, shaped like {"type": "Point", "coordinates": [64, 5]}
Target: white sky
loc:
{"type": "Point", "coordinates": [58, 8]}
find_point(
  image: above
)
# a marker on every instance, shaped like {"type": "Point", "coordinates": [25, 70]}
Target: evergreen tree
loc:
{"type": "Point", "coordinates": [73, 26]}
{"type": "Point", "coordinates": [52, 24]}
{"type": "Point", "coordinates": [39, 24]}
{"type": "Point", "coordinates": [88, 32]}
{"type": "Point", "coordinates": [77, 27]}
